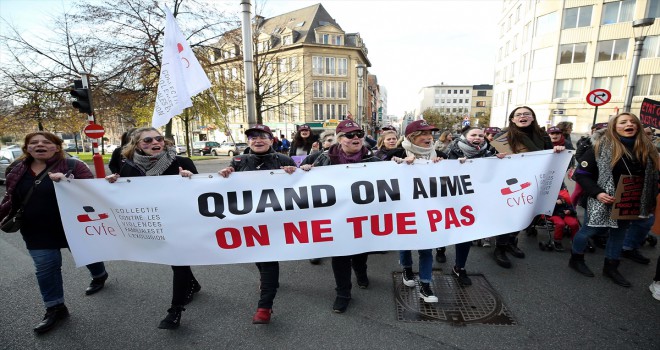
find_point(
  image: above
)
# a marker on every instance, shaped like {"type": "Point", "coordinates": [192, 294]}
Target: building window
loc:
{"type": "Point", "coordinates": [337, 40]}
{"type": "Point", "coordinates": [293, 60]}
{"type": "Point", "coordinates": [325, 39]}
{"type": "Point", "coordinates": [618, 11]}
{"type": "Point", "coordinates": [329, 66]}
{"type": "Point", "coordinates": [294, 87]}
{"type": "Point", "coordinates": [331, 111]}
{"type": "Point", "coordinates": [330, 89]}
{"type": "Point", "coordinates": [481, 93]}
{"type": "Point", "coordinates": [454, 101]}
{"type": "Point", "coordinates": [284, 65]}
{"type": "Point", "coordinates": [318, 111]}
{"type": "Point", "coordinates": [284, 89]}
{"type": "Point", "coordinates": [577, 17]}
{"type": "Point", "coordinates": [448, 91]}
{"type": "Point", "coordinates": [287, 40]}
{"type": "Point", "coordinates": [481, 103]}
{"type": "Point", "coordinates": [647, 85]}
{"type": "Point", "coordinates": [543, 58]}
{"type": "Point", "coordinates": [651, 47]}
{"type": "Point", "coordinates": [342, 89]}
{"type": "Point", "coordinates": [342, 66]}
{"type": "Point", "coordinates": [546, 24]}
{"type": "Point", "coordinates": [460, 100]}
{"type": "Point", "coordinates": [295, 113]}
{"type": "Point", "coordinates": [317, 65]}
{"type": "Point", "coordinates": [613, 84]}
{"type": "Point", "coordinates": [467, 92]}
{"type": "Point", "coordinates": [568, 88]}
{"type": "Point", "coordinates": [467, 100]}
{"type": "Point", "coordinates": [654, 9]}
{"type": "Point", "coordinates": [612, 50]}
{"type": "Point", "coordinates": [343, 111]}
{"type": "Point", "coordinates": [318, 88]}
{"type": "Point", "coordinates": [572, 53]}
{"type": "Point", "coordinates": [460, 92]}
{"type": "Point", "coordinates": [455, 92]}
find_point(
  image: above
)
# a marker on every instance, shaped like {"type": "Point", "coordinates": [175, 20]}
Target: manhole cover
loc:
{"type": "Point", "coordinates": [458, 305]}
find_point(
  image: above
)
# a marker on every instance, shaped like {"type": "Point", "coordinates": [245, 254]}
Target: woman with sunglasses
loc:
{"type": "Point", "coordinates": [149, 154]}
{"type": "Point", "coordinates": [418, 144]}
{"type": "Point", "coordinates": [262, 156]}
{"type": "Point", "coordinates": [523, 135]}
{"type": "Point", "coordinates": [349, 149]}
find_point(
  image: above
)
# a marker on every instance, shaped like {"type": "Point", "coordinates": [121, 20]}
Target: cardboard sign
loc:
{"type": "Point", "coordinates": [628, 198]}
{"type": "Point", "coordinates": [501, 144]}
{"type": "Point", "coordinates": [649, 113]}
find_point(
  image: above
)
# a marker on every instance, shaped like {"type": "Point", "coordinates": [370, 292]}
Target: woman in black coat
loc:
{"type": "Point", "coordinates": [149, 154]}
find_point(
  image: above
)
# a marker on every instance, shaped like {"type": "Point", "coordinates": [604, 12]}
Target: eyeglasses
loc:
{"type": "Point", "coordinates": [352, 134]}
{"type": "Point", "coordinates": [260, 136]}
{"type": "Point", "coordinates": [151, 139]}
{"type": "Point", "coordinates": [525, 114]}
{"type": "Point", "coordinates": [329, 140]}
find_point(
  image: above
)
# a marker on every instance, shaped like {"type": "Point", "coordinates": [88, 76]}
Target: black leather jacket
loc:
{"type": "Point", "coordinates": [270, 160]}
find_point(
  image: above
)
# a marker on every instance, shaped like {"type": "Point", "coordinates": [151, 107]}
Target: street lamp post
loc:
{"type": "Point", "coordinates": [640, 28]}
{"type": "Point", "coordinates": [360, 74]}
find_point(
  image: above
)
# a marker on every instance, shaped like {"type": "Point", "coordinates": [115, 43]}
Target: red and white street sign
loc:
{"type": "Point", "coordinates": [598, 97]}
{"type": "Point", "coordinates": [94, 131]}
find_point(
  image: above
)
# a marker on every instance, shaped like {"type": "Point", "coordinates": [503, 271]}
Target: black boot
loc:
{"type": "Point", "coordinates": [195, 287]}
{"type": "Point", "coordinates": [611, 270]}
{"type": "Point", "coordinates": [440, 256]}
{"type": "Point", "coordinates": [515, 251]}
{"type": "Point", "coordinates": [173, 318]}
{"type": "Point", "coordinates": [53, 315]}
{"type": "Point", "coordinates": [500, 256]}
{"type": "Point", "coordinates": [96, 285]}
{"type": "Point", "coordinates": [577, 263]}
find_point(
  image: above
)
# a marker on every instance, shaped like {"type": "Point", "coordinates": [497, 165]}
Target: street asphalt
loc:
{"type": "Point", "coordinates": [554, 307]}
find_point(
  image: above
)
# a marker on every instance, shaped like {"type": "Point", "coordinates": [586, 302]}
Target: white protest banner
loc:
{"type": "Point", "coordinates": [334, 210]}
{"type": "Point", "coordinates": [181, 75]}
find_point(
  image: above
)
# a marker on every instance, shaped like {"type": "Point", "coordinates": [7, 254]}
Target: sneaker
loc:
{"type": "Point", "coordinates": [461, 276]}
{"type": "Point", "coordinates": [635, 256]}
{"type": "Point", "coordinates": [440, 256]}
{"type": "Point", "coordinates": [262, 316]}
{"type": "Point", "coordinates": [341, 304]}
{"type": "Point", "coordinates": [655, 289]}
{"type": "Point", "coordinates": [426, 293]}
{"type": "Point", "coordinates": [408, 277]}
{"type": "Point", "coordinates": [486, 243]}
{"type": "Point", "coordinates": [558, 246]}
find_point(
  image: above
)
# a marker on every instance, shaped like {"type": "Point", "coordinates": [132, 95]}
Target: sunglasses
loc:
{"type": "Point", "coordinates": [151, 139]}
{"type": "Point", "coordinates": [258, 135]}
{"type": "Point", "coordinates": [352, 134]}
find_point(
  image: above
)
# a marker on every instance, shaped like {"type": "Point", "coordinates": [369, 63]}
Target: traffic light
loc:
{"type": "Point", "coordinates": [82, 95]}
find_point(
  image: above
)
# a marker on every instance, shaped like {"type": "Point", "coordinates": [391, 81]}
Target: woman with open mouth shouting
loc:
{"type": "Point", "coordinates": [623, 154]}
{"type": "Point", "coordinates": [149, 154]}
{"type": "Point", "coordinates": [523, 135]}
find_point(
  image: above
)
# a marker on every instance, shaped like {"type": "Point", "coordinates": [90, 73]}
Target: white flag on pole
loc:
{"type": "Point", "coordinates": [181, 75]}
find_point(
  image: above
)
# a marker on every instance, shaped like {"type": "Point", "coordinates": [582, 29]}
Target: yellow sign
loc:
{"type": "Point", "coordinates": [331, 123]}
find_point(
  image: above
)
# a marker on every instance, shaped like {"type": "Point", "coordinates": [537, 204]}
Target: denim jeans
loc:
{"type": "Point", "coordinates": [48, 269]}
{"type": "Point", "coordinates": [637, 233]}
{"type": "Point", "coordinates": [425, 263]}
{"type": "Point", "coordinates": [614, 239]}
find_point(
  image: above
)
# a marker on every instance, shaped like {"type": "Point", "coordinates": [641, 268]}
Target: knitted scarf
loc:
{"type": "Point", "coordinates": [418, 152]}
{"type": "Point", "coordinates": [532, 142]}
{"type": "Point", "coordinates": [599, 213]}
{"type": "Point", "coordinates": [155, 165]}
{"type": "Point", "coordinates": [471, 150]}
{"type": "Point", "coordinates": [338, 156]}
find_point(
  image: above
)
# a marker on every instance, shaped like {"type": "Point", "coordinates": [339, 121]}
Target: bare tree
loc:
{"type": "Point", "coordinates": [119, 42]}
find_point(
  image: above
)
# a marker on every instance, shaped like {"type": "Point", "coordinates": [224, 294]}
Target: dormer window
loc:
{"type": "Point", "coordinates": [287, 40]}
{"type": "Point", "coordinates": [331, 39]}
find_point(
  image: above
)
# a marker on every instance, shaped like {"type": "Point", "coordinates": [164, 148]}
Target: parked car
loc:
{"type": "Point", "coordinates": [181, 149]}
{"type": "Point", "coordinates": [7, 156]}
{"type": "Point", "coordinates": [204, 147]}
{"type": "Point", "coordinates": [71, 147]}
{"type": "Point", "coordinates": [230, 149]}
{"type": "Point", "coordinates": [110, 148]}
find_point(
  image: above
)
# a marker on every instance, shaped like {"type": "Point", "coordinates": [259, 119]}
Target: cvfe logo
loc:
{"type": "Point", "coordinates": [520, 198]}
{"type": "Point", "coordinates": [95, 228]}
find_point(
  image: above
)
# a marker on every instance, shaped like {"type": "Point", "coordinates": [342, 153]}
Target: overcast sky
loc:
{"type": "Point", "coordinates": [412, 44]}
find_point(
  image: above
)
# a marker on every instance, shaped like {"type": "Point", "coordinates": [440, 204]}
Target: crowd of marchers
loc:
{"type": "Point", "coordinates": [620, 149]}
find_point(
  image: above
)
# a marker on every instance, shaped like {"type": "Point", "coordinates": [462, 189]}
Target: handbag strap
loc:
{"type": "Point", "coordinates": [36, 183]}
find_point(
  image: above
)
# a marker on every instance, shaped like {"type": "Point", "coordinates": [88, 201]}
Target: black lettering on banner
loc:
{"type": "Point", "coordinates": [291, 196]}
{"type": "Point", "coordinates": [369, 192]}
{"type": "Point", "coordinates": [233, 203]}
{"type": "Point", "coordinates": [418, 189]}
{"type": "Point", "coordinates": [218, 205]}
{"type": "Point", "coordinates": [317, 196]}
{"type": "Point", "coordinates": [268, 199]}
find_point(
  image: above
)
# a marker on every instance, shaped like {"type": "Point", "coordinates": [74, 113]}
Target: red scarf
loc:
{"type": "Point", "coordinates": [561, 142]}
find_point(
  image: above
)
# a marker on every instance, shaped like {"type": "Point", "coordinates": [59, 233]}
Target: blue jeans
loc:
{"type": "Point", "coordinates": [425, 263]}
{"type": "Point", "coordinates": [48, 266]}
{"type": "Point", "coordinates": [637, 233]}
{"type": "Point", "coordinates": [614, 239]}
